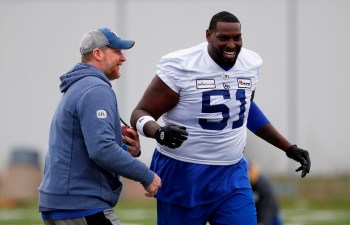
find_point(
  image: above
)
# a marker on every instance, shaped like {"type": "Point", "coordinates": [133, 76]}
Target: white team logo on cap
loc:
{"type": "Point", "coordinates": [101, 114]}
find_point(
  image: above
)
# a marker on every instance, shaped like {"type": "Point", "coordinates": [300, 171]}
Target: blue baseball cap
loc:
{"type": "Point", "coordinates": [98, 38]}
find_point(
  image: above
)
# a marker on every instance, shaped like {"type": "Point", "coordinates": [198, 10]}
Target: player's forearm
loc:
{"type": "Point", "coordinates": [135, 115]}
{"type": "Point", "coordinates": [272, 136]}
{"type": "Point", "coordinates": [148, 128]}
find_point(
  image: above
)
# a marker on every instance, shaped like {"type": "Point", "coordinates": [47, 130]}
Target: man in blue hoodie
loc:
{"type": "Point", "coordinates": [87, 151]}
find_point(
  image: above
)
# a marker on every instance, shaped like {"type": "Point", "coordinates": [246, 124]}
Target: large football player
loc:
{"type": "Point", "coordinates": [201, 97]}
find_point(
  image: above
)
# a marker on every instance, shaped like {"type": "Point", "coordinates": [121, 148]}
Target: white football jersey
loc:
{"type": "Point", "coordinates": [213, 104]}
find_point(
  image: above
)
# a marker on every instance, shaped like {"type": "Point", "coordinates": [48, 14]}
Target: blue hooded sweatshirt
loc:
{"type": "Point", "coordinates": [85, 156]}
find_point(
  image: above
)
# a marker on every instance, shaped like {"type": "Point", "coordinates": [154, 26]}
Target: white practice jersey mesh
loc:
{"type": "Point", "coordinates": [213, 104]}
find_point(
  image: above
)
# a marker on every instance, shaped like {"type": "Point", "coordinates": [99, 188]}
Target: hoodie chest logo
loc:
{"type": "Point", "coordinates": [101, 114]}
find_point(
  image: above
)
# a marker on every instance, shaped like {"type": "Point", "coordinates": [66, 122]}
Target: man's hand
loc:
{"type": "Point", "coordinates": [154, 186]}
{"type": "Point", "coordinates": [131, 137]}
{"type": "Point", "coordinates": [171, 136]}
{"type": "Point", "coordinates": [301, 156]}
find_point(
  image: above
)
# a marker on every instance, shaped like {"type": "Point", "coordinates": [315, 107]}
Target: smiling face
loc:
{"type": "Point", "coordinates": [111, 61]}
{"type": "Point", "coordinates": [224, 42]}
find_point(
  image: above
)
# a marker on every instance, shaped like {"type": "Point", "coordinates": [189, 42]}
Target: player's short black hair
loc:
{"type": "Point", "coordinates": [222, 17]}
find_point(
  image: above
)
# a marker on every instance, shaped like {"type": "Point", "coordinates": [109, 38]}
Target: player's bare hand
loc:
{"type": "Point", "coordinates": [154, 186]}
{"type": "Point", "coordinates": [131, 137]}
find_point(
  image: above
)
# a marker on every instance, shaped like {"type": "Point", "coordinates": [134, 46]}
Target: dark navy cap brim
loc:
{"type": "Point", "coordinates": [122, 44]}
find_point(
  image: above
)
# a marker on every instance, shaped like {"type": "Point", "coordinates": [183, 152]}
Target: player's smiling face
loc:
{"type": "Point", "coordinates": [225, 43]}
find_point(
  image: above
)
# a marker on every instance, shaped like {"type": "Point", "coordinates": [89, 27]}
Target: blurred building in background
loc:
{"type": "Point", "coordinates": [19, 181]}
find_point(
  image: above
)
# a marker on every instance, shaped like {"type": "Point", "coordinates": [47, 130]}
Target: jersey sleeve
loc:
{"type": "Point", "coordinates": [171, 72]}
{"type": "Point", "coordinates": [256, 118]}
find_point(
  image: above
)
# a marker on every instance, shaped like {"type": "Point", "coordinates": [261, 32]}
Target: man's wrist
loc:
{"type": "Point", "coordinates": [289, 151]}
{"type": "Point", "coordinates": [141, 123]}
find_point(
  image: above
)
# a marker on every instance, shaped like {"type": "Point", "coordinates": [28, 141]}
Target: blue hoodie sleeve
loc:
{"type": "Point", "coordinates": [100, 125]}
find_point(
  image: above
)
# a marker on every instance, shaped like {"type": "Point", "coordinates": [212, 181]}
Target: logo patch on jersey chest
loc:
{"type": "Point", "coordinates": [205, 84]}
{"type": "Point", "coordinates": [244, 83]}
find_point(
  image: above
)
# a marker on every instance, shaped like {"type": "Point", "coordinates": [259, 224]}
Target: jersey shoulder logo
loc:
{"type": "Point", "coordinates": [205, 84]}
{"type": "Point", "coordinates": [101, 114]}
{"type": "Point", "coordinates": [244, 83]}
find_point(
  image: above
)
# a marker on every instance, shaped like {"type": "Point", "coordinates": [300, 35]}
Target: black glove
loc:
{"type": "Point", "coordinates": [171, 136]}
{"type": "Point", "coordinates": [301, 156]}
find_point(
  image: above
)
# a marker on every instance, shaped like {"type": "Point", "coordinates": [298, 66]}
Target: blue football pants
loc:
{"type": "Point", "coordinates": [236, 209]}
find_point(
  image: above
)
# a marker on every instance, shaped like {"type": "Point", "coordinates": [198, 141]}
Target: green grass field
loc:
{"type": "Point", "coordinates": [315, 202]}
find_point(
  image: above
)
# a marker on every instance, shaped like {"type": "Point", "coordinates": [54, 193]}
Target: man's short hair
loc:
{"type": "Point", "coordinates": [222, 17]}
